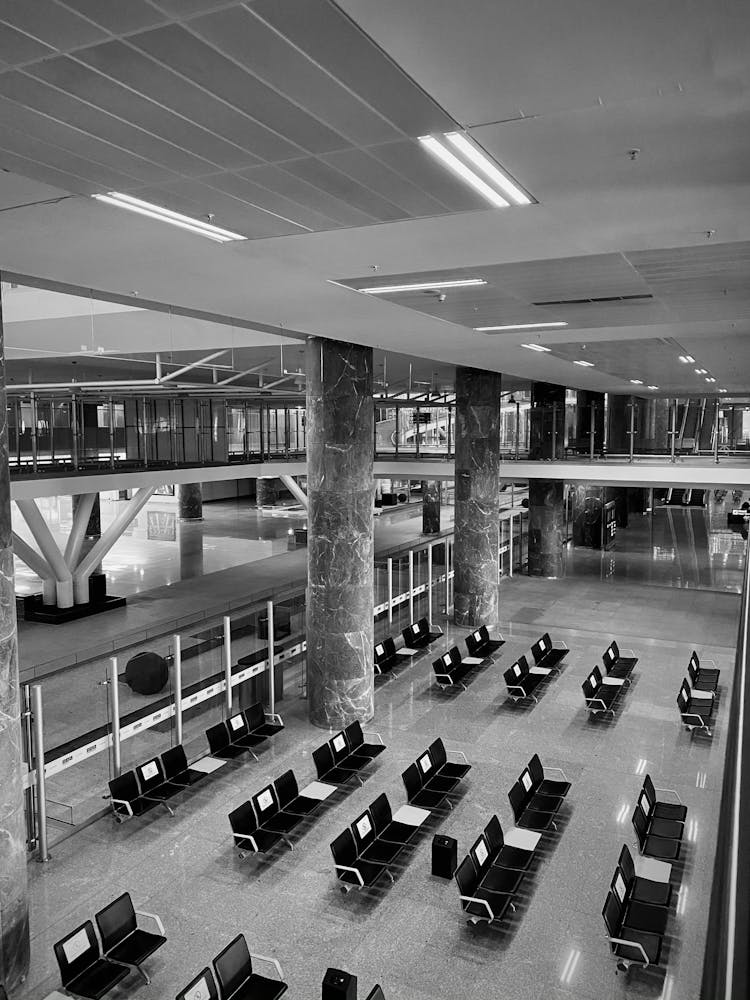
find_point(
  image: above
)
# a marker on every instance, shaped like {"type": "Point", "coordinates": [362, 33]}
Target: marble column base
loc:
{"type": "Point", "coordinates": [546, 528]}
{"type": "Point", "coordinates": [93, 528]}
{"type": "Point", "coordinates": [431, 497]}
{"type": "Point", "coordinates": [266, 492]}
{"type": "Point", "coordinates": [14, 915]}
{"type": "Point", "coordinates": [190, 501]}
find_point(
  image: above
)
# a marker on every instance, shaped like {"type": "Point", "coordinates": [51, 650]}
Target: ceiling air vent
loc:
{"type": "Point", "coordinates": [596, 301]}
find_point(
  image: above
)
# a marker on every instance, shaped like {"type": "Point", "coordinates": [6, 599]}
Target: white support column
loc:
{"type": "Point", "coordinates": [295, 489]}
{"type": "Point", "coordinates": [429, 582]}
{"type": "Point", "coordinates": [114, 707]}
{"type": "Point", "coordinates": [411, 585]}
{"type": "Point", "coordinates": [39, 565]}
{"type": "Point", "coordinates": [271, 660]}
{"type": "Point", "coordinates": [78, 531]}
{"type": "Point", "coordinates": [177, 685]}
{"type": "Point", "coordinates": [390, 591]}
{"type": "Point", "coordinates": [228, 662]}
{"type": "Point", "coordinates": [43, 537]}
{"type": "Point", "coordinates": [95, 555]}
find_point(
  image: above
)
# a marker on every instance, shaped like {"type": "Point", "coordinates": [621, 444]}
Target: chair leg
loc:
{"type": "Point", "coordinates": [142, 973]}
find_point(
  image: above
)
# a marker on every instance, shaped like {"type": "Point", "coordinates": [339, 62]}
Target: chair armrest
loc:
{"type": "Point", "coordinates": [515, 687]}
{"type": "Point", "coordinates": [248, 837]}
{"type": "Point", "coordinates": [630, 944]}
{"type": "Point", "coordinates": [629, 651]}
{"type": "Point", "coordinates": [271, 961]}
{"type": "Point", "coordinates": [590, 703]}
{"type": "Point", "coordinates": [445, 678]}
{"type": "Point", "coordinates": [673, 791]}
{"type": "Point", "coordinates": [692, 715]}
{"type": "Point", "coordinates": [354, 871]}
{"type": "Point", "coordinates": [560, 644]}
{"type": "Point", "coordinates": [373, 733]}
{"type": "Point", "coordinates": [274, 717]}
{"type": "Point", "coordinates": [559, 771]}
{"type": "Point", "coordinates": [462, 754]}
{"type": "Point", "coordinates": [712, 662]}
{"type": "Point", "coordinates": [123, 802]}
{"type": "Point", "coordinates": [152, 916]}
{"type": "Point", "coordinates": [482, 902]}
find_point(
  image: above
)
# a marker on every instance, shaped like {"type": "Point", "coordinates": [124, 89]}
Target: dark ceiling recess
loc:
{"type": "Point", "coordinates": [583, 302]}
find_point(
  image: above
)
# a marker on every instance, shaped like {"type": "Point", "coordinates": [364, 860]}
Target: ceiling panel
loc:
{"type": "Point", "coordinates": [262, 51]}
{"type": "Point", "coordinates": [34, 94]}
{"type": "Point", "coordinates": [69, 183]}
{"type": "Point", "coordinates": [410, 159]}
{"type": "Point", "coordinates": [281, 182]}
{"type": "Point", "coordinates": [50, 23]}
{"type": "Point", "coordinates": [118, 16]}
{"type": "Point", "coordinates": [177, 48]}
{"type": "Point", "coordinates": [15, 47]}
{"type": "Point", "coordinates": [186, 8]}
{"type": "Point", "coordinates": [70, 76]}
{"type": "Point", "coordinates": [254, 194]}
{"type": "Point", "coordinates": [394, 187]}
{"type": "Point", "coordinates": [326, 34]}
{"type": "Point", "coordinates": [340, 186]}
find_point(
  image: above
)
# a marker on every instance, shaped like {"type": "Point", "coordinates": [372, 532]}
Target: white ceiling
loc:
{"type": "Point", "coordinates": [582, 83]}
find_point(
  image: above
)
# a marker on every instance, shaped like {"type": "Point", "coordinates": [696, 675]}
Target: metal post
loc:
{"type": "Point", "coordinates": [631, 432]}
{"type": "Point", "coordinates": [411, 585]}
{"type": "Point", "coordinates": [271, 660]}
{"type": "Point", "coordinates": [429, 582]}
{"type": "Point", "coordinates": [716, 432]}
{"type": "Point", "coordinates": [390, 590]}
{"type": "Point", "coordinates": [74, 430]}
{"type": "Point", "coordinates": [41, 792]}
{"type": "Point", "coordinates": [592, 427]}
{"type": "Point", "coordinates": [111, 434]}
{"type": "Point", "coordinates": [510, 546]}
{"type": "Point", "coordinates": [518, 427]}
{"type": "Point", "coordinates": [177, 685]}
{"type": "Point", "coordinates": [447, 578]}
{"type": "Point", "coordinates": [114, 706]}
{"type": "Point", "coordinates": [34, 444]}
{"type": "Point", "coordinates": [554, 431]}
{"type": "Point", "coordinates": [673, 431]}
{"type": "Point", "coordinates": [228, 661]}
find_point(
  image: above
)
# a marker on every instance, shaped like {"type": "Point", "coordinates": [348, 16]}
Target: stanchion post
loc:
{"type": "Point", "coordinates": [271, 660]}
{"type": "Point", "coordinates": [390, 591]}
{"type": "Point", "coordinates": [447, 579]}
{"type": "Point", "coordinates": [41, 790]}
{"type": "Point", "coordinates": [429, 582]}
{"type": "Point", "coordinates": [177, 684]}
{"type": "Point", "coordinates": [114, 706]}
{"type": "Point", "coordinates": [411, 585]}
{"type": "Point", "coordinates": [228, 662]}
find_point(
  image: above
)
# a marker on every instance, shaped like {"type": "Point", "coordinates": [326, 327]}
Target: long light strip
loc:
{"type": "Point", "coordinates": [166, 215]}
{"type": "Point", "coordinates": [422, 286]}
{"type": "Point", "coordinates": [536, 347]}
{"type": "Point", "coordinates": [465, 173]}
{"type": "Point", "coordinates": [519, 326]}
{"type": "Point", "coordinates": [584, 364]}
{"type": "Point", "coordinates": [488, 168]}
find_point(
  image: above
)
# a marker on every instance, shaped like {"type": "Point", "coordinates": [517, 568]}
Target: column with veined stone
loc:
{"type": "Point", "coordinates": [340, 429]}
{"type": "Point", "coordinates": [14, 914]}
{"type": "Point", "coordinates": [476, 545]}
{"type": "Point", "coordinates": [190, 501]}
{"type": "Point", "coordinates": [431, 496]}
{"type": "Point", "coordinates": [546, 496]}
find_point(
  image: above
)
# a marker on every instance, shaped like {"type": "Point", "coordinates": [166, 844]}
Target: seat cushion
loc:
{"type": "Point", "coordinates": [513, 857]}
{"type": "Point", "coordinates": [260, 988]}
{"type": "Point", "coordinates": [98, 979]}
{"type": "Point", "coordinates": [136, 947]}
{"type": "Point", "coordinates": [548, 787]}
{"type": "Point", "coordinates": [670, 810]}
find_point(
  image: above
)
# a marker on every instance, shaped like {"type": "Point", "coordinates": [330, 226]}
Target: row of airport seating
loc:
{"type": "Point", "coordinates": [603, 691]}
{"type": "Point", "coordinates": [522, 680]}
{"type": "Point", "coordinates": [636, 910]}
{"type": "Point", "coordinates": [242, 732]}
{"type": "Point", "coordinates": [696, 698]}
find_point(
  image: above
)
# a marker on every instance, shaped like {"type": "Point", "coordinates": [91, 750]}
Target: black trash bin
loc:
{"type": "Point", "coordinates": [444, 856]}
{"type": "Point", "coordinates": [338, 985]}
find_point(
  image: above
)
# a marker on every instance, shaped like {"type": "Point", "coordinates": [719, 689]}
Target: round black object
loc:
{"type": "Point", "coordinates": [147, 673]}
{"type": "Point", "coordinates": [525, 503]}
{"type": "Point", "coordinates": [402, 498]}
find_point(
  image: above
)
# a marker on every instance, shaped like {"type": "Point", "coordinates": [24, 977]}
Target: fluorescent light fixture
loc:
{"type": "Point", "coordinates": [165, 215]}
{"type": "Point", "coordinates": [584, 364]}
{"type": "Point", "coordinates": [710, 379]}
{"type": "Point", "coordinates": [519, 326]}
{"type": "Point", "coordinates": [488, 168]}
{"type": "Point", "coordinates": [652, 386]}
{"type": "Point", "coordinates": [465, 173]}
{"type": "Point", "coordinates": [723, 390]}
{"type": "Point", "coordinates": [423, 286]}
{"type": "Point", "coordinates": [536, 347]}
{"type": "Point", "coordinates": [687, 359]}
{"type": "Point", "coordinates": [701, 371]}
{"type": "Point", "coordinates": [636, 381]}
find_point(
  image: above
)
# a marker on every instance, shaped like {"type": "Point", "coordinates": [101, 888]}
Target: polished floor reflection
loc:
{"type": "Point", "coordinates": [411, 936]}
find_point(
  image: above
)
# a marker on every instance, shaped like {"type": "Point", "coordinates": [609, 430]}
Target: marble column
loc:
{"type": "Point", "coordinates": [588, 503]}
{"type": "Point", "coordinates": [589, 405]}
{"type": "Point", "coordinates": [340, 554]}
{"type": "Point", "coordinates": [431, 497]}
{"type": "Point", "coordinates": [546, 527]}
{"type": "Point", "coordinates": [546, 421]}
{"type": "Point", "coordinates": [93, 528]}
{"type": "Point", "coordinates": [618, 439]}
{"type": "Point", "coordinates": [266, 492]}
{"type": "Point", "coordinates": [190, 501]}
{"type": "Point", "coordinates": [14, 913]}
{"type": "Point", "coordinates": [477, 512]}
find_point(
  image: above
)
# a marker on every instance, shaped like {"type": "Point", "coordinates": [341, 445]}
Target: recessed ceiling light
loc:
{"type": "Point", "coordinates": [710, 379]}
{"type": "Point", "coordinates": [536, 347]}
{"type": "Point", "coordinates": [423, 286]}
{"type": "Point", "coordinates": [636, 381]}
{"type": "Point", "coordinates": [465, 173]}
{"type": "Point", "coordinates": [488, 168]}
{"type": "Point", "coordinates": [519, 326]}
{"type": "Point", "coordinates": [584, 364]}
{"type": "Point", "coordinates": [161, 214]}
{"type": "Point", "coordinates": [652, 386]}
{"type": "Point", "coordinates": [687, 359]}
{"type": "Point", "coordinates": [722, 390]}
{"type": "Point", "coordinates": [701, 371]}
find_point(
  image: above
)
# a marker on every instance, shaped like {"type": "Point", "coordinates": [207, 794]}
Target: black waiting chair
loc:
{"type": "Point", "coordinates": [177, 770]}
{"type": "Point", "coordinates": [203, 987]}
{"type": "Point", "coordinates": [651, 917]}
{"type": "Point", "coordinates": [480, 904]}
{"type": "Point", "coordinates": [345, 757]}
{"type": "Point", "coordinates": [546, 654]}
{"type": "Point", "coordinates": [83, 970]}
{"type": "Point", "coordinates": [352, 871]}
{"type": "Point", "coordinates": [237, 979]}
{"type": "Point", "coordinates": [504, 854]}
{"type": "Point", "coordinates": [126, 798]}
{"type": "Point", "coordinates": [271, 817]}
{"type": "Point", "coordinates": [123, 940]}
{"type": "Point", "coordinates": [645, 890]}
{"type": "Point", "coordinates": [247, 834]}
{"type": "Point", "coordinates": [370, 846]}
{"type": "Point", "coordinates": [417, 794]}
{"type": "Point", "coordinates": [495, 877]}
{"type": "Point", "coordinates": [705, 678]}
{"type": "Point", "coordinates": [261, 724]}
{"type": "Point", "coordinates": [663, 810]}
{"type": "Point", "coordinates": [154, 783]}
{"type": "Point", "coordinates": [385, 657]}
{"type": "Point", "coordinates": [616, 664]}
{"type": "Point", "coordinates": [695, 712]}
{"type": "Point", "coordinates": [355, 739]}
{"type": "Point", "coordinates": [327, 770]}
{"type": "Point", "coordinates": [445, 768]}
{"type": "Point", "coordinates": [653, 845]}
{"type": "Point", "coordinates": [420, 634]}
{"type": "Point", "coordinates": [520, 680]}
{"type": "Point", "coordinates": [376, 993]}
{"type": "Point", "coordinates": [289, 798]}
{"type": "Point", "coordinates": [600, 698]}
{"type": "Point", "coordinates": [386, 828]}
{"type": "Point", "coordinates": [630, 945]}
{"type": "Point", "coordinates": [221, 744]}
{"type": "Point", "coordinates": [526, 817]}
{"type": "Point", "coordinates": [432, 781]}
{"type": "Point", "coordinates": [544, 785]}
{"type": "Point", "coordinates": [656, 825]}
{"type": "Point", "coordinates": [450, 670]}
{"type": "Point", "coordinates": [479, 643]}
